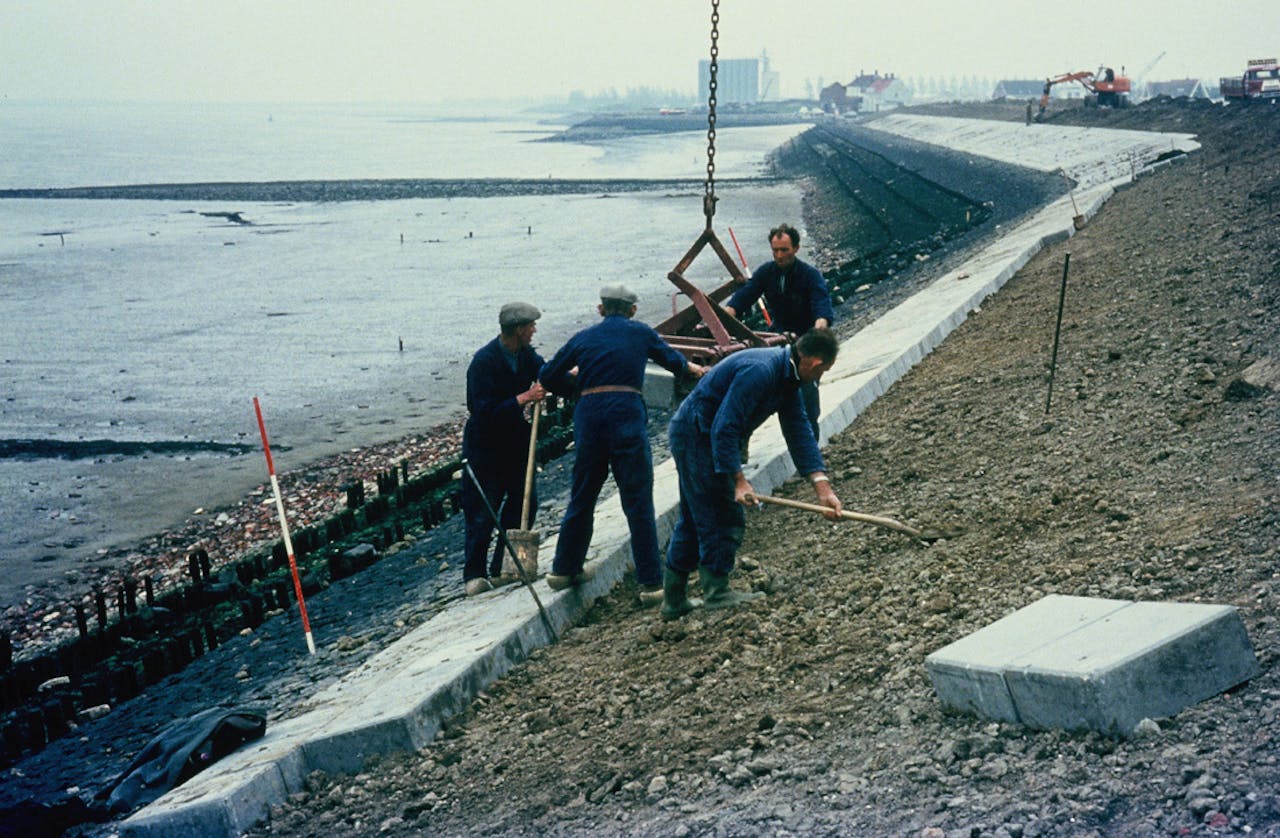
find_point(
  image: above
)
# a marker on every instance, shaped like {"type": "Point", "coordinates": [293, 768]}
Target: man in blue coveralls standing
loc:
{"type": "Point", "coordinates": [707, 433]}
{"type": "Point", "coordinates": [796, 295]}
{"type": "Point", "coordinates": [609, 432]}
{"type": "Point", "coordinates": [501, 381]}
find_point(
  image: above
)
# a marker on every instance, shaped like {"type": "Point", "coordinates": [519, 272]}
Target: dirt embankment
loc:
{"type": "Point", "coordinates": [1152, 476]}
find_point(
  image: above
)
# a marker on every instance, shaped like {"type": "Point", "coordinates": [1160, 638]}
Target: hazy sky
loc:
{"type": "Point", "coordinates": [432, 50]}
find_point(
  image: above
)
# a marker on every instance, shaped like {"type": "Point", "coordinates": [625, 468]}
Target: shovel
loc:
{"type": "Point", "coordinates": [927, 536]}
{"type": "Point", "coordinates": [1078, 219]}
{"type": "Point", "coordinates": [502, 537]}
{"type": "Point", "coordinates": [524, 540]}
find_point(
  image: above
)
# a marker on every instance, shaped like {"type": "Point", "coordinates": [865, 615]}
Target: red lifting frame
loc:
{"type": "Point", "coordinates": [728, 334]}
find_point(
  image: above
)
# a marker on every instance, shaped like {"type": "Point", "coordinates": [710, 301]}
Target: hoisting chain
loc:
{"type": "Point", "coordinates": [709, 199]}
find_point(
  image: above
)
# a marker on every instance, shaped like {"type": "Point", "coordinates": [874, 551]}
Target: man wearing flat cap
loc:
{"type": "Point", "coordinates": [610, 433]}
{"type": "Point", "coordinates": [502, 381]}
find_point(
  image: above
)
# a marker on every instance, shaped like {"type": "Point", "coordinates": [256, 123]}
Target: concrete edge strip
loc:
{"type": "Point", "coordinates": [1131, 150]}
{"type": "Point", "coordinates": [230, 797]}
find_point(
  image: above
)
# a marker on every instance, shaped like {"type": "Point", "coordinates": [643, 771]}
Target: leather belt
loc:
{"type": "Point", "coordinates": [610, 388]}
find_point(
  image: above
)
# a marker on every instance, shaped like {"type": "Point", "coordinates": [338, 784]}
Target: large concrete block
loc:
{"type": "Point", "coordinates": [1096, 664]}
{"type": "Point", "coordinates": [969, 674]}
{"type": "Point", "coordinates": [659, 390]}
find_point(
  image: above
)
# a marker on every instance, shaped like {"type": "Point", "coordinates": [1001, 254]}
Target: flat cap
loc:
{"type": "Point", "coordinates": [517, 314]}
{"type": "Point", "coordinates": [618, 291]}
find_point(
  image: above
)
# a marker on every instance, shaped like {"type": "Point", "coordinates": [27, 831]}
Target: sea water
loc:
{"type": "Point", "coordinates": [352, 322]}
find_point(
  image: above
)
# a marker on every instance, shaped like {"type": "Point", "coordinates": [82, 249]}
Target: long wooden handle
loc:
{"type": "Point", "coordinates": [887, 523]}
{"type": "Point", "coordinates": [528, 475]}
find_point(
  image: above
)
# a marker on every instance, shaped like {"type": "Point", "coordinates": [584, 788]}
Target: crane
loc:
{"type": "Point", "coordinates": [1141, 78]}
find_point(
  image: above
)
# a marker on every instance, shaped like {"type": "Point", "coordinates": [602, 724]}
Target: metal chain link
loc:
{"type": "Point", "coordinates": [709, 199]}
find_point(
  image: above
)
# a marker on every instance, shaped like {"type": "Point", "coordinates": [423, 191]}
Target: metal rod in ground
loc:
{"type": "Point", "coordinates": [284, 528]}
{"type": "Point", "coordinates": [502, 536]}
{"type": "Point", "coordinates": [1057, 330]}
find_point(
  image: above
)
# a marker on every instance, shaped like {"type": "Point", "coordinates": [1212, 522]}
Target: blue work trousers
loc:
{"type": "Point", "coordinates": [710, 528]}
{"type": "Point", "coordinates": [610, 434]}
{"type": "Point", "coordinates": [503, 483]}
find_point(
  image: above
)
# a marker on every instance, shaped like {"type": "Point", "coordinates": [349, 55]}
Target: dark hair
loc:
{"type": "Point", "coordinates": [818, 343]}
{"type": "Point", "coordinates": [510, 328]}
{"type": "Point", "coordinates": [788, 231]}
{"type": "Point", "coordinates": [609, 306]}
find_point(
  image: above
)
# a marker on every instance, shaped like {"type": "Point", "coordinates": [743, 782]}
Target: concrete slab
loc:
{"type": "Point", "coordinates": [659, 389]}
{"type": "Point", "coordinates": [1083, 663]}
{"type": "Point", "coordinates": [399, 698]}
{"type": "Point", "coordinates": [969, 675]}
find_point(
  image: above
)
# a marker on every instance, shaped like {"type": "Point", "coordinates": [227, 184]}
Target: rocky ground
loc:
{"type": "Point", "coordinates": [1152, 476]}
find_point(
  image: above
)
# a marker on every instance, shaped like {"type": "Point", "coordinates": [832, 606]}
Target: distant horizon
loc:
{"type": "Point", "coordinates": [450, 51]}
{"type": "Point", "coordinates": [554, 101]}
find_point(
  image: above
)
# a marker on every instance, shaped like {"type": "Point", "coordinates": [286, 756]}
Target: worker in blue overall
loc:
{"type": "Point", "coordinates": [605, 363]}
{"type": "Point", "coordinates": [706, 435]}
{"type": "Point", "coordinates": [796, 295]}
{"type": "Point", "coordinates": [502, 381]}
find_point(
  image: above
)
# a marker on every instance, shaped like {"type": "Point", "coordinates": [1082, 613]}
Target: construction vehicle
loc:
{"type": "Point", "coordinates": [1260, 81]}
{"type": "Point", "coordinates": [1104, 88]}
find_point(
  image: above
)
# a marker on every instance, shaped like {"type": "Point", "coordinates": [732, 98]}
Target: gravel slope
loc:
{"type": "Point", "coordinates": [1153, 476]}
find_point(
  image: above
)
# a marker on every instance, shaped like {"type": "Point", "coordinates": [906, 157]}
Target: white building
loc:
{"type": "Point", "coordinates": [740, 80]}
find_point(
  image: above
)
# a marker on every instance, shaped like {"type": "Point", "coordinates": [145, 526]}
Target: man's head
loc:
{"type": "Point", "coordinates": [518, 322]}
{"type": "Point", "coordinates": [784, 241]}
{"type": "Point", "coordinates": [815, 353]}
{"type": "Point", "coordinates": [617, 299]}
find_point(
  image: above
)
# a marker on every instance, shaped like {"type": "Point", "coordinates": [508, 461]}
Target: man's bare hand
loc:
{"type": "Point", "coordinates": [743, 492]}
{"type": "Point", "coordinates": [827, 497]}
{"type": "Point", "coordinates": [536, 393]}
{"type": "Point", "coordinates": [697, 370]}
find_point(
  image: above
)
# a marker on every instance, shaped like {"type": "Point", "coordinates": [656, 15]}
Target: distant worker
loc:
{"type": "Point", "coordinates": [607, 363]}
{"type": "Point", "coordinates": [796, 295]}
{"type": "Point", "coordinates": [733, 399]}
{"type": "Point", "coordinates": [502, 381]}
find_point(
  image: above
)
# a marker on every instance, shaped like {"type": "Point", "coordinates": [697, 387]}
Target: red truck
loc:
{"type": "Point", "coordinates": [1261, 80]}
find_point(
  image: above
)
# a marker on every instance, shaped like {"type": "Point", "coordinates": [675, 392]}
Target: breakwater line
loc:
{"type": "Point", "coordinates": [83, 449]}
{"type": "Point", "coordinates": [319, 191]}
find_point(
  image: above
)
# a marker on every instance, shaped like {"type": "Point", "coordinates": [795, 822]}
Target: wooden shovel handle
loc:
{"type": "Point", "coordinates": [528, 475]}
{"type": "Point", "coordinates": [887, 523]}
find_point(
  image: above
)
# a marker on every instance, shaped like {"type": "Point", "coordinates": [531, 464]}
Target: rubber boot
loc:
{"type": "Point", "coordinates": [675, 595]}
{"type": "Point", "coordinates": [561, 581]}
{"type": "Point", "coordinates": [717, 594]}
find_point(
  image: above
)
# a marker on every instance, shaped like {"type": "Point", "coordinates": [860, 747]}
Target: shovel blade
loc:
{"type": "Point", "coordinates": [525, 543]}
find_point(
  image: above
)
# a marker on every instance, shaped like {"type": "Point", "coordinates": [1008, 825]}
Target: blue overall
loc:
{"type": "Point", "coordinates": [706, 436]}
{"type": "Point", "coordinates": [495, 441]}
{"type": "Point", "coordinates": [610, 434]}
{"type": "Point", "coordinates": [795, 298]}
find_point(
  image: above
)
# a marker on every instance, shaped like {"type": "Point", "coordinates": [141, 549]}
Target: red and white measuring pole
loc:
{"type": "Point", "coordinates": [768, 321]}
{"type": "Point", "coordinates": [284, 527]}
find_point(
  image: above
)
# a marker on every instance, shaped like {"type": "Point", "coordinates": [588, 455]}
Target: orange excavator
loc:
{"type": "Point", "coordinates": [1105, 88]}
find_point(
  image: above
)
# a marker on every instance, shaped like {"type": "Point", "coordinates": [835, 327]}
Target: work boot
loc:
{"type": "Point", "coordinates": [716, 592]}
{"type": "Point", "coordinates": [560, 581]}
{"type": "Point", "coordinates": [650, 594]}
{"type": "Point", "coordinates": [675, 595]}
{"type": "Point", "coordinates": [477, 586]}
{"type": "Point", "coordinates": [503, 579]}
